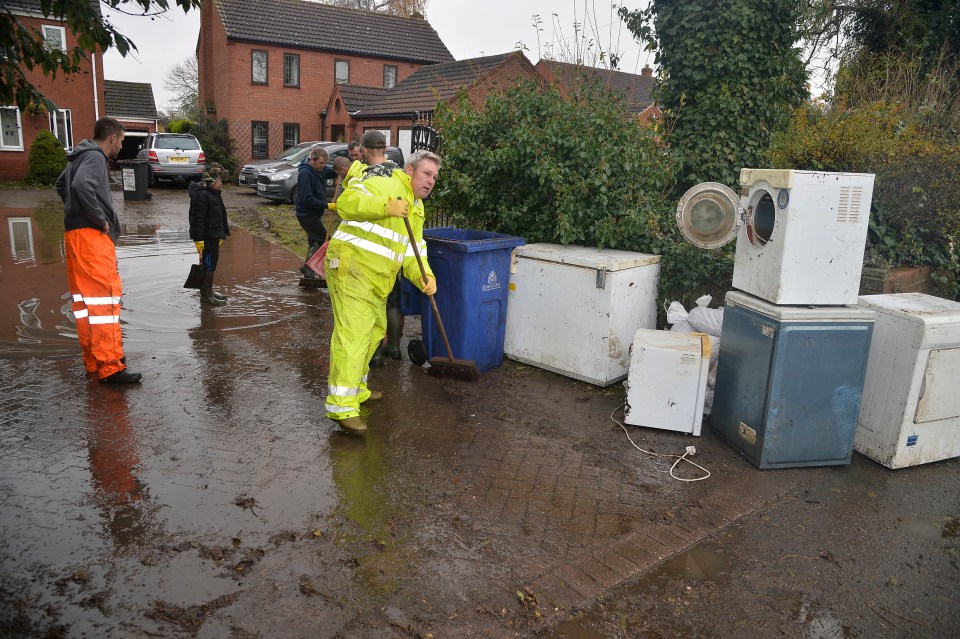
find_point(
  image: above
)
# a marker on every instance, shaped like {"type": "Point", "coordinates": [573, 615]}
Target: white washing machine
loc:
{"type": "Point", "coordinates": [910, 412]}
{"type": "Point", "coordinates": [667, 382]}
{"type": "Point", "coordinates": [800, 234]}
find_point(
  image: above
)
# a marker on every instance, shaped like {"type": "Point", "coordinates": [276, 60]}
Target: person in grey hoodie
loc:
{"type": "Point", "coordinates": [91, 231]}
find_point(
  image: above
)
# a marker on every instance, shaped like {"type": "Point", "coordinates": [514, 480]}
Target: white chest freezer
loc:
{"type": "Point", "coordinates": [667, 382]}
{"type": "Point", "coordinates": [910, 413]}
{"type": "Point", "coordinates": [575, 310]}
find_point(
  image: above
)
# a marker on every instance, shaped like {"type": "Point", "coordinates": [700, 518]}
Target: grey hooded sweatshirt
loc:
{"type": "Point", "coordinates": [84, 187]}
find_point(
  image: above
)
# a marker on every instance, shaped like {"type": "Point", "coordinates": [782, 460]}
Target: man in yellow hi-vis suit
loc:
{"type": "Point", "coordinates": [364, 256]}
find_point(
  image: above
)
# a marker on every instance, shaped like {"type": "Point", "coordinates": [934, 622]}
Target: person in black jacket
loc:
{"type": "Point", "coordinates": [310, 202]}
{"type": "Point", "coordinates": [208, 227]}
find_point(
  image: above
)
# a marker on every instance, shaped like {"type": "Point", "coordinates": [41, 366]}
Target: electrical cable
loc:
{"type": "Point", "coordinates": [690, 451]}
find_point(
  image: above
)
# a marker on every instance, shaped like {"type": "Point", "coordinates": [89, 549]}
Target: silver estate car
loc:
{"type": "Point", "coordinates": [172, 156]}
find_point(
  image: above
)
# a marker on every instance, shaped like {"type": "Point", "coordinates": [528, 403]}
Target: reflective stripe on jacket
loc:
{"type": "Point", "coordinates": [380, 242]}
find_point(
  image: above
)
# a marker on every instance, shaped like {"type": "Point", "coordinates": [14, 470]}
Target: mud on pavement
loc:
{"type": "Point", "coordinates": [216, 500]}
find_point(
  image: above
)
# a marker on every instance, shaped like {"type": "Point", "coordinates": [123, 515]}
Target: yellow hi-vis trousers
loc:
{"type": "Point", "coordinates": [359, 324]}
{"type": "Point", "coordinates": [95, 286]}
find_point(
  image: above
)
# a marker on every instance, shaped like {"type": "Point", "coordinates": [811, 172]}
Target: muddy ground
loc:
{"type": "Point", "coordinates": [216, 500]}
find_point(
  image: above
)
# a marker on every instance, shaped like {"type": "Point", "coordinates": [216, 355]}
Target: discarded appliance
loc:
{"type": "Point", "coordinates": [667, 382]}
{"type": "Point", "coordinates": [575, 310]}
{"type": "Point", "coordinates": [800, 234]}
{"type": "Point", "coordinates": [789, 381]}
{"type": "Point", "coordinates": [910, 413]}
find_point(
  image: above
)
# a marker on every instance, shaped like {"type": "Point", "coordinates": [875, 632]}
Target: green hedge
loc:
{"type": "Point", "coordinates": [47, 159]}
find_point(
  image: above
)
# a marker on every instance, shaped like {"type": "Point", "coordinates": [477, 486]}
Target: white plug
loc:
{"type": "Point", "coordinates": [691, 450]}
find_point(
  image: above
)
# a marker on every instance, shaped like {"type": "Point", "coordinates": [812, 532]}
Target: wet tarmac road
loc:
{"type": "Point", "coordinates": [215, 500]}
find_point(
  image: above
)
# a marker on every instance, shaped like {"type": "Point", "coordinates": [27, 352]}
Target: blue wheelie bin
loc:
{"type": "Point", "coordinates": [473, 276]}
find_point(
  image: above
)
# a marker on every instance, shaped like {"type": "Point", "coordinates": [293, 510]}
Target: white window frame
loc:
{"type": "Point", "coordinates": [63, 36]}
{"type": "Point", "coordinates": [396, 72]}
{"type": "Point", "coordinates": [26, 254]}
{"type": "Point", "coordinates": [4, 147]}
{"type": "Point", "coordinates": [55, 123]}
{"type": "Point", "coordinates": [336, 73]}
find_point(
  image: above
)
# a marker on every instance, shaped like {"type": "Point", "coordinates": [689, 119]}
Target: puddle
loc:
{"type": "Point", "coordinates": [157, 311]}
{"type": "Point", "coordinates": [923, 528]}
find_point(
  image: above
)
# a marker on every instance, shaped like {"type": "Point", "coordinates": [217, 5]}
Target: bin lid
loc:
{"type": "Point", "coordinates": [586, 256]}
{"type": "Point", "coordinates": [469, 240]}
{"type": "Point", "coordinates": [708, 215]}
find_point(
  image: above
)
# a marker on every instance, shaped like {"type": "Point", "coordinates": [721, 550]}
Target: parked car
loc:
{"type": "Point", "coordinates": [281, 186]}
{"type": "Point", "coordinates": [251, 172]}
{"type": "Point", "coordinates": [172, 156]}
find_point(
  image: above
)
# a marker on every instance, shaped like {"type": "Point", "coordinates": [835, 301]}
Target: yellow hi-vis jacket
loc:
{"type": "Point", "coordinates": [378, 242]}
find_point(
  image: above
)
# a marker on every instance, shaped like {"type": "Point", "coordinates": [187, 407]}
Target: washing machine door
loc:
{"type": "Point", "coordinates": [709, 215]}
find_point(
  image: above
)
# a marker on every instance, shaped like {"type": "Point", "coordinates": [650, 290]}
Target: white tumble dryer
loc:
{"type": "Point", "coordinates": [910, 413]}
{"type": "Point", "coordinates": [800, 234]}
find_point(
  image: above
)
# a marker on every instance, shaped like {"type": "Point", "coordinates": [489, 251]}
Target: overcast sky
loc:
{"type": "Point", "coordinates": [469, 29]}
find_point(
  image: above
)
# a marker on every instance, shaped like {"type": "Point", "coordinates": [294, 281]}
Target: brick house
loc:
{"type": "Point", "coordinates": [79, 98]}
{"type": "Point", "coordinates": [353, 109]}
{"type": "Point", "coordinates": [133, 104]}
{"type": "Point", "coordinates": [268, 67]}
{"type": "Point", "coordinates": [635, 89]}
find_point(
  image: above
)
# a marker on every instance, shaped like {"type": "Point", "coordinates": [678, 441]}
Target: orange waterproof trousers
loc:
{"type": "Point", "coordinates": [95, 286]}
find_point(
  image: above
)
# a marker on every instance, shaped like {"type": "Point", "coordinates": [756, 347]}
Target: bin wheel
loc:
{"type": "Point", "coordinates": [417, 351]}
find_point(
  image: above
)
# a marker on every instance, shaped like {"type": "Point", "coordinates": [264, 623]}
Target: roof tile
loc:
{"type": "Point", "coordinates": [310, 25]}
{"type": "Point", "coordinates": [129, 99]}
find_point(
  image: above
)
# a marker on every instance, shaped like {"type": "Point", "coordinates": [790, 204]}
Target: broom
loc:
{"type": "Point", "coordinates": [450, 368]}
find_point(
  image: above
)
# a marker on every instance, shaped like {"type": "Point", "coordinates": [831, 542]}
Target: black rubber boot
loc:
{"type": "Point", "coordinates": [215, 294]}
{"type": "Point", "coordinates": [392, 347]}
{"type": "Point", "coordinates": [308, 272]}
{"type": "Point", "coordinates": [206, 292]}
{"type": "Point", "coordinates": [377, 360]}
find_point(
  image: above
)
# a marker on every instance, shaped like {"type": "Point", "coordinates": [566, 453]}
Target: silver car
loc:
{"type": "Point", "coordinates": [172, 156]}
{"type": "Point", "coordinates": [251, 172]}
{"type": "Point", "coordinates": [281, 186]}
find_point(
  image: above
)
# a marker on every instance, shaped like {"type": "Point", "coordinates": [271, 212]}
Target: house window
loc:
{"type": "Point", "coordinates": [12, 136]}
{"type": "Point", "coordinates": [342, 68]}
{"type": "Point", "coordinates": [291, 134]}
{"type": "Point", "coordinates": [258, 67]}
{"type": "Point", "coordinates": [291, 70]}
{"type": "Point", "coordinates": [258, 145]}
{"type": "Point", "coordinates": [389, 76]}
{"type": "Point", "coordinates": [55, 37]}
{"type": "Point", "coordinates": [61, 125]}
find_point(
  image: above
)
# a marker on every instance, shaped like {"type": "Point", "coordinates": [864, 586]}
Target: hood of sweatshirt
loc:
{"type": "Point", "coordinates": [86, 146]}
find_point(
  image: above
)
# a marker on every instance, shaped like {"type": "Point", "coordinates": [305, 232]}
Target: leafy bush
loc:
{"type": "Point", "coordinates": [47, 159]}
{"type": "Point", "coordinates": [215, 141]}
{"type": "Point", "coordinates": [180, 126]}
{"type": "Point", "coordinates": [569, 170]}
{"type": "Point", "coordinates": [915, 214]}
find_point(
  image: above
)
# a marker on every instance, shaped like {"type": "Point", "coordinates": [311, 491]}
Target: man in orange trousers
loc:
{"type": "Point", "coordinates": [92, 228]}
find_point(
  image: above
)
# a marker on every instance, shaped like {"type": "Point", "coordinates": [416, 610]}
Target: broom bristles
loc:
{"type": "Point", "coordinates": [462, 369]}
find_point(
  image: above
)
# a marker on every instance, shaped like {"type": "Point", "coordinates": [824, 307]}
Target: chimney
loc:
{"type": "Point", "coordinates": [646, 72]}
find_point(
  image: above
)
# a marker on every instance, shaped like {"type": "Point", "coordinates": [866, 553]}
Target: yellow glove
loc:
{"type": "Point", "coordinates": [199, 246]}
{"type": "Point", "coordinates": [332, 206]}
{"type": "Point", "coordinates": [397, 208]}
{"type": "Point", "coordinates": [428, 285]}
{"type": "Point", "coordinates": [221, 243]}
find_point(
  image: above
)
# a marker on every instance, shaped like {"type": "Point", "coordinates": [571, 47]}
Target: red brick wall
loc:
{"type": "Point", "coordinates": [74, 92]}
{"type": "Point", "coordinates": [225, 78]}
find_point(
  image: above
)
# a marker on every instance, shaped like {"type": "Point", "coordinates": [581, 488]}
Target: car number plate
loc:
{"type": "Point", "coordinates": [242, 180]}
{"type": "Point", "coordinates": [177, 158]}
{"type": "Point", "coordinates": [261, 187]}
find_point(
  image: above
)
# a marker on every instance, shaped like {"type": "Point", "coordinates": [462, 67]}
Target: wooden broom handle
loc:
{"type": "Point", "coordinates": [433, 302]}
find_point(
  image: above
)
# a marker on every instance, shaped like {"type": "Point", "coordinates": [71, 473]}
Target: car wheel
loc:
{"type": "Point", "coordinates": [293, 196]}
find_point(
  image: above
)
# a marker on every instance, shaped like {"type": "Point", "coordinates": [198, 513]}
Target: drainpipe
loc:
{"type": "Point", "coordinates": [96, 99]}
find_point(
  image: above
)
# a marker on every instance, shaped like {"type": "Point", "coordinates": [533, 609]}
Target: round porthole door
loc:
{"type": "Point", "coordinates": [708, 215]}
